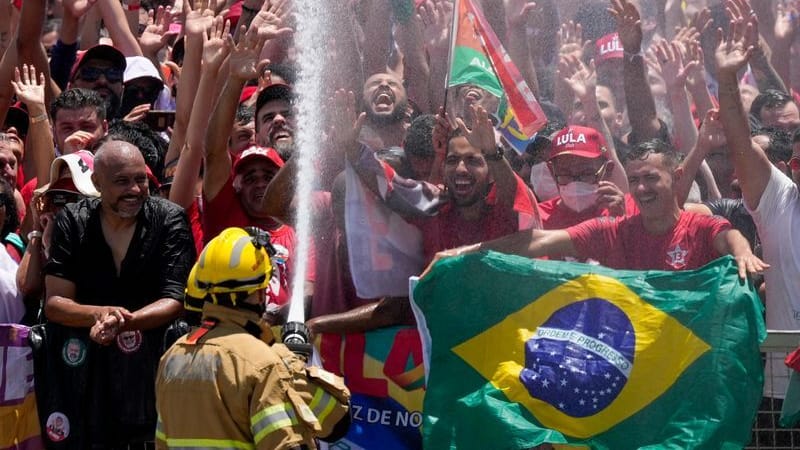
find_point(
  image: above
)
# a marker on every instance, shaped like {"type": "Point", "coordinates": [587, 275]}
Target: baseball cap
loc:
{"type": "Point", "coordinates": [579, 141]}
{"type": "Point", "coordinates": [255, 152]}
{"type": "Point", "coordinates": [140, 67]}
{"type": "Point", "coordinates": [608, 47]}
{"type": "Point", "coordinates": [102, 52]}
{"type": "Point", "coordinates": [80, 166]}
{"type": "Point", "coordinates": [17, 118]}
{"type": "Point", "coordinates": [247, 92]}
{"type": "Point", "coordinates": [272, 92]}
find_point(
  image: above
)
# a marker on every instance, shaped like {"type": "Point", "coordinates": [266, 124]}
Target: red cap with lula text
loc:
{"type": "Point", "coordinates": [579, 141]}
{"type": "Point", "coordinates": [608, 47]}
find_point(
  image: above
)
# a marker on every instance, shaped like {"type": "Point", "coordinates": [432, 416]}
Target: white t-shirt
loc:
{"type": "Point", "coordinates": [778, 221]}
{"type": "Point", "coordinates": [11, 306]}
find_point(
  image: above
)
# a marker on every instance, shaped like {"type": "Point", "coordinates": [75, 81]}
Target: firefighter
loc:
{"type": "Point", "coordinates": [227, 384]}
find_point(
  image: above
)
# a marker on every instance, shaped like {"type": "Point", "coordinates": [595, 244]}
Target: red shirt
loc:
{"type": "Point", "coordinates": [555, 215]}
{"type": "Point", "coordinates": [623, 243]}
{"type": "Point", "coordinates": [225, 210]}
{"type": "Point", "coordinates": [447, 229]}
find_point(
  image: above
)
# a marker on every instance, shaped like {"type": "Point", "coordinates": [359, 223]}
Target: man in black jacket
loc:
{"type": "Point", "coordinates": [115, 279]}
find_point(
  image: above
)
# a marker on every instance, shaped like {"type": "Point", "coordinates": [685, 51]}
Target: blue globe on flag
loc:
{"type": "Point", "coordinates": [579, 360]}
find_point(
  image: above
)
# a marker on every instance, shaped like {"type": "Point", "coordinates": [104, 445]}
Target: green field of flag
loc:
{"type": "Point", "coordinates": [524, 352]}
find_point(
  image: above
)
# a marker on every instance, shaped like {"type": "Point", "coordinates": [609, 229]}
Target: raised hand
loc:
{"type": "Point", "coordinates": [481, 136]}
{"type": "Point", "coordinates": [156, 35]}
{"type": "Point", "coordinates": [695, 73]}
{"type": "Point", "coordinates": [734, 51]}
{"type": "Point", "coordinates": [435, 17]}
{"type": "Point", "coordinates": [673, 70]}
{"type": "Point", "coordinates": [786, 22]}
{"type": "Point", "coordinates": [518, 12]}
{"type": "Point", "coordinates": [269, 22]}
{"type": "Point", "coordinates": [570, 39]}
{"type": "Point", "coordinates": [581, 79]}
{"type": "Point", "coordinates": [216, 45]}
{"type": "Point", "coordinates": [345, 122]}
{"type": "Point", "coordinates": [711, 134]}
{"type": "Point", "coordinates": [629, 25]}
{"type": "Point", "coordinates": [198, 20]}
{"type": "Point", "coordinates": [244, 57]}
{"type": "Point", "coordinates": [28, 89]}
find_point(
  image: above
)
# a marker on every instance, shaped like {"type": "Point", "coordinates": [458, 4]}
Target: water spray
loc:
{"type": "Point", "coordinates": [311, 41]}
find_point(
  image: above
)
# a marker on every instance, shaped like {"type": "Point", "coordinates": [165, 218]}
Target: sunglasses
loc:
{"type": "Point", "coordinates": [794, 163]}
{"type": "Point", "coordinates": [53, 201]}
{"type": "Point", "coordinates": [112, 74]}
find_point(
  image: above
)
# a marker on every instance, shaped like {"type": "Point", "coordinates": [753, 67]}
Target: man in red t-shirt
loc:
{"type": "Point", "coordinates": [589, 183]}
{"type": "Point", "coordinates": [237, 203]}
{"type": "Point", "coordinates": [660, 237]}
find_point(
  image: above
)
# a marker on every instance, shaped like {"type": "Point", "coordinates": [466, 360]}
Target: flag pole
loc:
{"type": "Point", "coordinates": [453, 34]}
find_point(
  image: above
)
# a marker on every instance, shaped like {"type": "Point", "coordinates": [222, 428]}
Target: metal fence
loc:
{"type": "Point", "coordinates": [767, 434]}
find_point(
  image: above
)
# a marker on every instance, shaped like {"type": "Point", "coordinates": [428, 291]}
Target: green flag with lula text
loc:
{"type": "Point", "coordinates": [524, 352]}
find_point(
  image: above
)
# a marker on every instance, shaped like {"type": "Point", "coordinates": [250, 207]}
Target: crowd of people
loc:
{"type": "Point", "coordinates": [136, 131]}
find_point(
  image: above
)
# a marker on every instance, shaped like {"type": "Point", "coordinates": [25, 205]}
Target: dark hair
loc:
{"type": "Point", "coordinates": [79, 98]}
{"type": "Point", "coordinates": [419, 137]}
{"type": "Point", "coordinates": [286, 71]}
{"type": "Point", "coordinates": [7, 199]}
{"type": "Point", "coordinates": [780, 144]}
{"type": "Point", "coordinates": [643, 149]}
{"type": "Point", "coordinates": [150, 143]}
{"type": "Point", "coordinates": [771, 98]}
{"type": "Point", "coordinates": [245, 114]}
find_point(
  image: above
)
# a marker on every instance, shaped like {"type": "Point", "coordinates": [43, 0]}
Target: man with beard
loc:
{"type": "Point", "coordinates": [483, 198]}
{"type": "Point", "coordinates": [385, 103]}
{"type": "Point", "coordinates": [275, 119]}
{"type": "Point", "coordinates": [101, 69]}
{"type": "Point", "coordinates": [79, 120]}
{"type": "Point", "coordinates": [114, 280]}
{"type": "Point", "coordinates": [465, 96]}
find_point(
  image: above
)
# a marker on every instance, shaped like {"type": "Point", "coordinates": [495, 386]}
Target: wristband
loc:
{"type": "Point", "coordinates": [133, 7]}
{"type": "Point", "coordinates": [496, 156]}
{"type": "Point", "coordinates": [35, 234]}
{"type": "Point", "coordinates": [40, 118]}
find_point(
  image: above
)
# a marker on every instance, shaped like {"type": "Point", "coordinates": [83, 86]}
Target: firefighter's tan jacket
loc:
{"type": "Point", "coordinates": [231, 389]}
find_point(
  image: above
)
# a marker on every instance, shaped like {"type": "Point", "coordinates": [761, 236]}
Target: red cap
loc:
{"type": "Point", "coordinates": [104, 52]}
{"type": "Point", "coordinates": [247, 92]}
{"type": "Point", "coordinates": [608, 47]}
{"type": "Point", "coordinates": [579, 141]}
{"type": "Point", "coordinates": [256, 152]}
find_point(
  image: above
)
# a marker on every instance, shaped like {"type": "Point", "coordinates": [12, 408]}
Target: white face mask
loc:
{"type": "Point", "coordinates": [544, 186]}
{"type": "Point", "coordinates": [579, 196]}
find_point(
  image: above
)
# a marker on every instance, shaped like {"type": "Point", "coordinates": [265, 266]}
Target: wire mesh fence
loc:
{"type": "Point", "coordinates": [767, 433]}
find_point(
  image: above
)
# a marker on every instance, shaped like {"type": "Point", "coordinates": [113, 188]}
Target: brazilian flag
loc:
{"type": "Point", "coordinates": [527, 352]}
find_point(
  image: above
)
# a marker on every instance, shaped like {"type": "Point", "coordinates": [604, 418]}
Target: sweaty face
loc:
{"type": "Point", "coordinates": [253, 180]}
{"type": "Point", "coordinates": [105, 79]}
{"type": "Point", "coordinates": [467, 95]}
{"type": "Point", "coordinates": [8, 163]}
{"type": "Point", "coordinates": [466, 173]}
{"type": "Point", "coordinates": [651, 185]}
{"type": "Point", "coordinates": [275, 125]}
{"type": "Point", "coordinates": [68, 121]}
{"type": "Point", "coordinates": [243, 136]}
{"type": "Point", "coordinates": [569, 168]}
{"type": "Point", "coordinates": [385, 99]}
{"type": "Point", "coordinates": [786, 117]}
{"type": "Point", "coordinates": [123, 186]}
